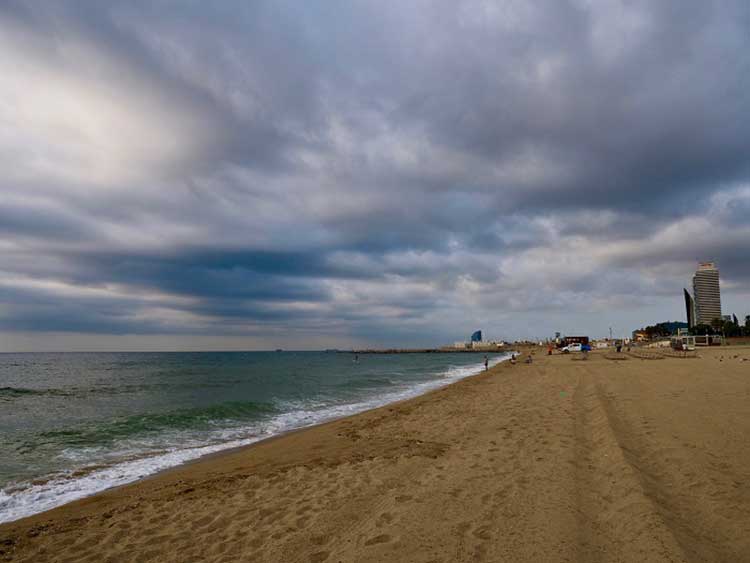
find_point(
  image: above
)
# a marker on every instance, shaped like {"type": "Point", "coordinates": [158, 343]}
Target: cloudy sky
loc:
{"type": "Point", "coordinates": [179, 175]}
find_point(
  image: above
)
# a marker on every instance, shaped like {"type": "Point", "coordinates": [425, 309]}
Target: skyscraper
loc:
{"type": "Point", "coordinates": [707, 294]}
{"type": "Point", "coordinates": [689, 308]}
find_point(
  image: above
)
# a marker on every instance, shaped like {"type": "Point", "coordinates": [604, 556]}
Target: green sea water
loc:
{"type": "Point", "coordinates": [73, 424]}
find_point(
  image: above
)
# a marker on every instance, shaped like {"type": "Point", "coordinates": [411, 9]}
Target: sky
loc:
{"type": "Point", "coordinates": [301, 175]}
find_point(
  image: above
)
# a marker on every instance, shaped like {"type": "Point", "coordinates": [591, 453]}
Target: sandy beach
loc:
{"type": "Point", "coordinates": [562, 460]}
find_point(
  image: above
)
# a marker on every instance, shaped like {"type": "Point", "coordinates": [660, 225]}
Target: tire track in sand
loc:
{"type": "Point", "coordinates": [676, 484]}
{"type": "Point", "coordinates": [617, 518]}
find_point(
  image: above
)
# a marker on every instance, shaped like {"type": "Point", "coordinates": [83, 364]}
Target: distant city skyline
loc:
{"type": "Point", "coordinates": [277, 174]}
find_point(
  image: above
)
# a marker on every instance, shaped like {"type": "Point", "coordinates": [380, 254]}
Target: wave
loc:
{"type": "Point", "coordinates": [261, 421]}
{"type": "Point", "coordinates": [139, 425]}
{"type": "Point", "coordinates": [10, 393]}
{"type": "Point", "coordinates": [384, 381]}
{"type": "Point", "coordinates": [140, 387]}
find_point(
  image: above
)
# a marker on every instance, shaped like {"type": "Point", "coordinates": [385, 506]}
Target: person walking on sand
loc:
{"type": "Point", "coordinates": [486, 363]}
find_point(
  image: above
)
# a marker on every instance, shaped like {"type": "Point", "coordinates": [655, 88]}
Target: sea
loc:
{"type": "Point", "coordinates": [74, 424]}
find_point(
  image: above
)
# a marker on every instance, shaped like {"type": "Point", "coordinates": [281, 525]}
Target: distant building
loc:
{"type": "Point", "coordinates": [689, 308]}
{"type": "Point", "coordinates": [476, 343]}
{"type": "Point", "coordinates": [671, 327]}
{"type": "Point", "coordinates": [640, 336]}
{"type": "Point", "coordinates": [486, 345]}
{"type": "Point", "coordinates": [706, 293]}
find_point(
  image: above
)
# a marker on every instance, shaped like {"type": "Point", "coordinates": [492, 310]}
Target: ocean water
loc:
{"type": "Point", "coordinates": [73, 424]}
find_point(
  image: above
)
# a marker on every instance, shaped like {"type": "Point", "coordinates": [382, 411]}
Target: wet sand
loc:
{"type": "Point", "coordinates": [563, 460]}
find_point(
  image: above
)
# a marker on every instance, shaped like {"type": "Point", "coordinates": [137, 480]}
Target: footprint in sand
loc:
{"type": "Point", "coordinates": [383, 519]}
{"type": "Point", "coordinates": [382, 538]}
{"type": "Point", "coordinates": [302, 521]}
{"type": "Point", "coordinates": [320, 540]}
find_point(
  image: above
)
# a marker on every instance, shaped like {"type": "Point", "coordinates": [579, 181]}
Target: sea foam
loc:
{"type": "Point", "coordinates": [26, 499]}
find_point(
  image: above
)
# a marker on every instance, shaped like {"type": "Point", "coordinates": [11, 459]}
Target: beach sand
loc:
{"type": "Point", "coordinates": [562, 460]}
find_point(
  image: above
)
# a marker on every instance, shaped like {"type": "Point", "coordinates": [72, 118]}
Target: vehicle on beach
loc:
{"type": "Point", "coordinates": [576, 347]}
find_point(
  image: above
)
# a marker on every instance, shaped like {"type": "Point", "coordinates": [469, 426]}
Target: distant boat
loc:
{"type": "Point", "coordinates": [279, 350]}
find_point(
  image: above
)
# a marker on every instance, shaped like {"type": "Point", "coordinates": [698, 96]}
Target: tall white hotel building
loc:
{"type": "Point", "coordinates": [706, 293]}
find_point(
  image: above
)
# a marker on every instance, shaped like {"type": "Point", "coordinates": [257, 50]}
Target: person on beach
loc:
{"type": "Point", "coordinates": [486, 363]}
{"type": "Point", "coordinates": [513, 359]}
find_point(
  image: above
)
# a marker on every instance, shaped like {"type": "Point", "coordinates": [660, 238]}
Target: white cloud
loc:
{"type": "Point", "coordinates": [75, 115]}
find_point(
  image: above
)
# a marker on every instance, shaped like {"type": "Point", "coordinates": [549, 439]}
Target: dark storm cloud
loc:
{"type": "Point", "coordinates": [375, 169]}
{"type": "Point", "coordinates": [20, 220]}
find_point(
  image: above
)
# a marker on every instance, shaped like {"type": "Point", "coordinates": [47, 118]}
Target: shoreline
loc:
{"type": "Point", "coordinates": [558, 460]}
{"type": "Point", "coordinates": [240, 449]}
{"type": "Point", "coordinates": [386, 399]}
{"type": "Point", "coordinates": [243, 449]}
{"type": "Point", "coordinates": [387, 351]}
